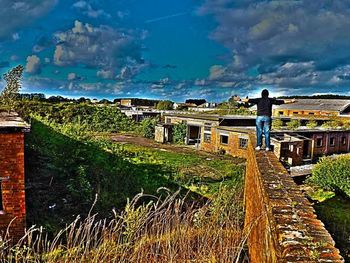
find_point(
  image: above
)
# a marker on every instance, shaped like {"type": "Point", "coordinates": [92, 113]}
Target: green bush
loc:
{"type": "Point", "coordinates": [277, 124]}
{"type": "Point", "coordinates": [293, 124]}
{"type": "Point", "coordinates": [311, 124]}
{"type": "Point", "coordinates": [332, 174]}
{"type": "Point", "coordinates": [148, 126]}
{"type": "Point", "coordinates": [179, 133]}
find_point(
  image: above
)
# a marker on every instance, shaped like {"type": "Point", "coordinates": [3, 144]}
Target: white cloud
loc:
{"type": "Point", "coordinates": [33, 65]}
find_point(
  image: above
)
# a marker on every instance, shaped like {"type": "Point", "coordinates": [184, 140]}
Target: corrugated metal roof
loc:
{"type": "Point", "coordinates": [313, 104]}
{"type": "Point", "coordinates": [12, 120]}
{"type": "Point", "coordinates": [316, 104]}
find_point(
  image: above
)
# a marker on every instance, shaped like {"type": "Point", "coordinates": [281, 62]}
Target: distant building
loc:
{"type": "Point", "coordinates": [319, 108]}
{"type": "Point", "coordinates": [12, 184]}
{"type": "Point", "coordinates": [314, 107]}
{"type": "Point", "coordinates": [229, 134]}
{"type": "Point", "coordinates": [134, 102]}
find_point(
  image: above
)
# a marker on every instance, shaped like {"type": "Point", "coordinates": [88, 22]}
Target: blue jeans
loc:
{"type": "Point", "coordinates": [263, 124]}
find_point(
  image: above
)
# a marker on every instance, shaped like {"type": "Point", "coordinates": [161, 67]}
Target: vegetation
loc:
{"type": "Point", "coordinates": [9, 94]}
{"type": "Point", "coordinates": [158, 230]}
{"type": "Point", "coordinates": [148, 126]}
{"type": "Point", "coordinates": [311, 124]}
{"type": "Point", "coordinates": [332, 174]}
{"type": "Point", "coordinates": [293, 124]}
{"type": "Point", "coordinates": [179, 133]}
{"type": "Point", "coordinates": [164, 105]}
{"type": "Point", "coordinates": [277, 124]}
{"type": "Point", "coordinates": [70, 159]}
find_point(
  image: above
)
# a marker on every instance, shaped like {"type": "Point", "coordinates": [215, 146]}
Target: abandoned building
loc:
{"type": "Point", "coordinates": [229, 134]}
{"type": "Point", "coordinates": [12, 185]}
{"type": "Point", "coordinates": [314, 107]}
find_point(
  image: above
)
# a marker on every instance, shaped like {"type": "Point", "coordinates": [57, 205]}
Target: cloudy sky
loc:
{"type": "Point", "coordinates": [179, 49]}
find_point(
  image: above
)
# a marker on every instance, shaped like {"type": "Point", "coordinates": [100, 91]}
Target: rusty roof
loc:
{"type": "Point", "coordinates": [316, 104]}
{"type": "Point", "coordinates": [12, 120]}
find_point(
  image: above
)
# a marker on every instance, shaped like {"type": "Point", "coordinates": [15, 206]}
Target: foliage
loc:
{"type": "Point", "coordinates": [335, 213]}
{"type": "Point", "coordinates": [293, 124]}
{"type": "Point", "coordinates": [179, 133]}
{"type": "Point", "coordinates": [332, 124]}
{"type": "Point", "coordinates": [277, 124]}
{"type": "Point", "coordinates": [332, 174]}
{"type": "Point", "coordinates": [311, 124]}
{"type": "Point", "coordinates": [148, 126]}
{"type": "Point", "coordinates": [13, 84]}
{"type": "Point", "coordinates": [157, 230]}
{"type": "Point", "coordinates": [164, 105]}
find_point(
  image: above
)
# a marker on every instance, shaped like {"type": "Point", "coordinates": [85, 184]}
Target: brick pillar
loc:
{"type": "Point", "coordinates": [13, 186]}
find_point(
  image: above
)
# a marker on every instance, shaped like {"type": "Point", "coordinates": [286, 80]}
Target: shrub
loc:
{"type": "Point", "coordinates": [179, 133]}
{"type": "Point", "coordinates": [277, 124]}
{"type": "Point", "coordinates": [311, 124]}
{"type": "Point", "coordinates": [148, 127]}
{"type": "Point", "coordinates": [293, 124]}
{"type": "Point", "coordinates": [332, 174]}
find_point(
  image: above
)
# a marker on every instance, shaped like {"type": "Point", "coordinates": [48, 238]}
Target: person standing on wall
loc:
{"type": "Point", "coordinates": [263, 119]}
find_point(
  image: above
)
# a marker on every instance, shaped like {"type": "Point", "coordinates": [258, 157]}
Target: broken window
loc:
{"type": "Point", "coordinates": [207, 137]}
{"type": "Point", "coordinates": [243, 143]}
{"type": "Point", "coordinates": [331, 141]}
{"type": "Point", "coordinates": [224, 139]}
{"type": "Point", "coordinates": [319, 142]}
{"type": "Point", "coordinates": [343, 140]}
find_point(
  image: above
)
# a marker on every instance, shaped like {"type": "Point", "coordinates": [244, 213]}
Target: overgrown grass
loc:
{"type": "Point", "coordinates": [161, 230]}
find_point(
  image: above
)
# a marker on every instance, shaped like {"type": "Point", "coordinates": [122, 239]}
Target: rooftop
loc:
{"type": "Point", "coordinates": [10, 121]}
{"type": "Point", "coordinates": [317, 104]}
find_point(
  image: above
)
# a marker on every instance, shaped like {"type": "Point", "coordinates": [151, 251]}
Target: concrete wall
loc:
{"type": "Point", "coordinates": [281, 222]}
{"type": "Point", "coordinates": [13, 189]}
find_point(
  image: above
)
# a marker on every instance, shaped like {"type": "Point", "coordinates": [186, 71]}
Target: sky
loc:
{"type": "Point", "coordinates": [176, 50]}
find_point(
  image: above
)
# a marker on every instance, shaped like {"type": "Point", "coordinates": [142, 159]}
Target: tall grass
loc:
{"type": "Point", "coordinates": [149, 229]}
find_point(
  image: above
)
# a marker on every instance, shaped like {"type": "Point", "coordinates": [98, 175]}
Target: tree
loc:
{"type": "Point", "coordinates": [164, 105]}
{"type": "Point", "coordinates": [311, 124]}
{"type": "Point", "coordinates": [13, 84]}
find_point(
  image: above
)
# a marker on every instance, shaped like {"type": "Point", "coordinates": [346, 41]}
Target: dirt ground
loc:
{"type": "Point", "coordinates": [141, 141]}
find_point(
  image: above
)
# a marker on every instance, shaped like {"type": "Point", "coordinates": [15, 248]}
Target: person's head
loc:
{"type": "Point", "coordinates": [265, 93]}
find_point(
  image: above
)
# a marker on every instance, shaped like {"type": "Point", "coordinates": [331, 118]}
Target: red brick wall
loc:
{"type": "Point", "coordinates": [231, 148]}
{"type": "Point", "coordinates": [13, 191]}
{"type": "Point", "coordinates": [326, 148]}
{"type": "Point", "coordinates": [281, 222]}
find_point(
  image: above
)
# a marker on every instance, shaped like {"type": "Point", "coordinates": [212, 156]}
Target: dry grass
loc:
{"type": "Point", "coordinates": [162, 230]}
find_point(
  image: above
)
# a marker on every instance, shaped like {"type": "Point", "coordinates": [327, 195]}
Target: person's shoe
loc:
{"type": "Point", "coordinates": [267, 149]}
{"type": "Point", "coordinates": [257, 148]}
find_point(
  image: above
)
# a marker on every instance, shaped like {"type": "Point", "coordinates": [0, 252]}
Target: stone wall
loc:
{"type": "Point", "coordinates": [13, 188]}
{"type": "Point", "coordinates": [281, 222]}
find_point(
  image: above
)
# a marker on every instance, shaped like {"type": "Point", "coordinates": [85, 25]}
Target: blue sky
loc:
{"type": "Point", "coordinates": [180, 49]}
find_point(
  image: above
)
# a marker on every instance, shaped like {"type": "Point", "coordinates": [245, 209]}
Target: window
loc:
{"type": "Point", "coordinates": [319, 142]}
{"type": "Point", "coordinates": [243, 143]}
{"type": "Point", "coordinates": [331, 141]}
{"type": "Point", "coordinates": [207, 127]}
{"type": "Point", "coordinates": [223, 139]}
{"type": "Point", "coordinates": [295, 112]}
{"type": "Point", "coordinates": [291, 147]}
{"type": "Point", "coordinates": [343, 140]}
{"type": "Point", "coordinates": [280, 112]}
{"type": "Point", "coordinates": [311, 113]}
{"type": "Point", "coordinates": [168, 121]}
{"type": "Point", "coordinates": [207, 137]}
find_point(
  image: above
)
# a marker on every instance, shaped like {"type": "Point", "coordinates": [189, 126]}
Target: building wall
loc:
{"type": "Point", "coordinates": [291, 152]}
{"type": "Point", "coordinates": [232, 147]}
{"type": "Point", "coordinates": [298, 112]}
{"type": "Point", "coordinates": [326, 148]}
{"type": "Point", "coordinates": [13, 189]}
